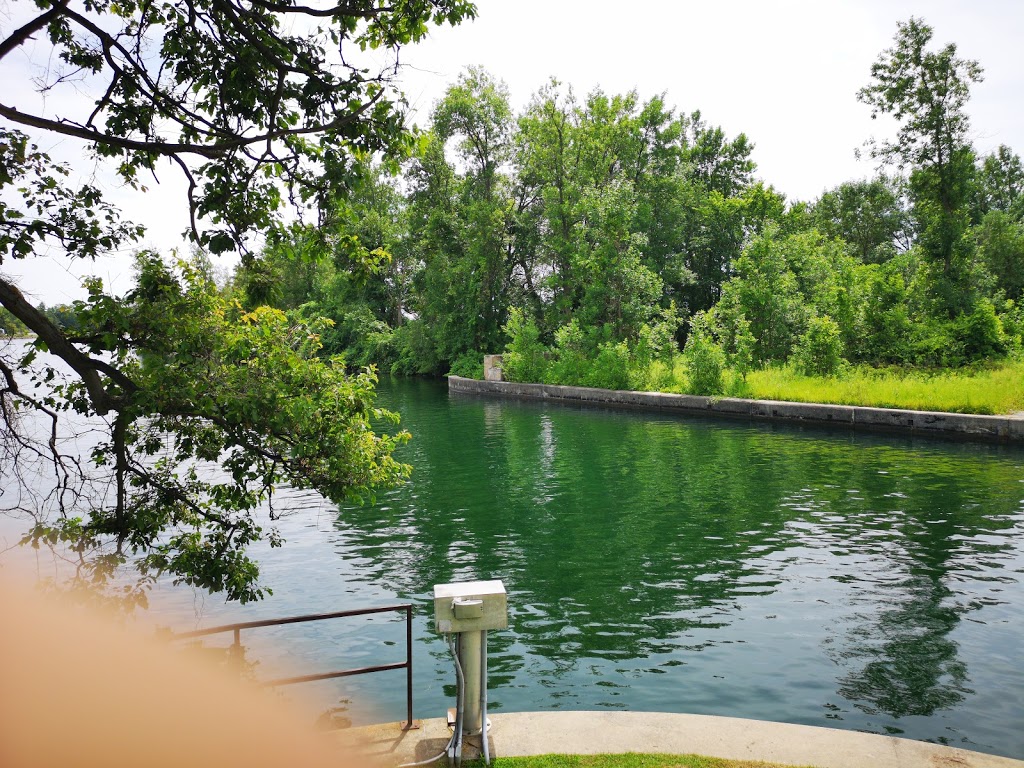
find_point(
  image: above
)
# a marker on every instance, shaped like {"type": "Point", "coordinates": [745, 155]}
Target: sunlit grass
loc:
{"type": "Point", "coordinates": [997, 389]}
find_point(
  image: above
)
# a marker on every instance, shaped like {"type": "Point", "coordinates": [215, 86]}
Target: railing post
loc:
{"type": "Point", "coordinates": [408, 668]}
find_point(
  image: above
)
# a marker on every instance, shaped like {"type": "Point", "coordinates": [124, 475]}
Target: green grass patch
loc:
{"type": "Point", "coordinates": [629, 760]}
{"type": "Point", "coordinates": [992, 388]}
{"type": "Point", "coordinates": [995, 390]}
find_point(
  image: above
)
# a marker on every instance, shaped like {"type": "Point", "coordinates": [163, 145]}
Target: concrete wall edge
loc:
{"type": "Point", "coordinates": [963, 426]}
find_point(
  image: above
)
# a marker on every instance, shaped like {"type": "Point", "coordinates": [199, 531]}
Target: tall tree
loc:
{"type": "Point", "coordinates": [926, 91]}
{"type": "Point", "coordinates": [461, 215]}
{"type": "Point", "coordinates": [547, 161]}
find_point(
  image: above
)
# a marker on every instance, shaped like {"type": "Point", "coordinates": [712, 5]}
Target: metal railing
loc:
{"type": "Point", "coordinates": [406, 665]}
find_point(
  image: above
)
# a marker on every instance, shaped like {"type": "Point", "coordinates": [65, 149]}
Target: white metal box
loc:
{"type": "Point", "coordinates": [470, 606]}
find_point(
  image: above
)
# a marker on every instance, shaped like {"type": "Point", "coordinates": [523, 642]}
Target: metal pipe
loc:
{"type": "Point", "coordinates": [333, 675]}
{"type": "Point", "coordinates": [408, 671]}
{"type": "Point", "coordinates": [448, 750]}
{"type": "Point", "coordinates": [289, 620]}
{"type": "Point", "coordinates": [460, 701]}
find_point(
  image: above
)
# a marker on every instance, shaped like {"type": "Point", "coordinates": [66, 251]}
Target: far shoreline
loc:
{"type": "Point", "coordinates": [1008, 429]}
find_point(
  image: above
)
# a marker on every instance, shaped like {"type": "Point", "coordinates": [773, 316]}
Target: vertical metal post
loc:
{"type": "Point", "coordinates": [408, 668]}
{"type": "Point", "coordinates": [470, 644]}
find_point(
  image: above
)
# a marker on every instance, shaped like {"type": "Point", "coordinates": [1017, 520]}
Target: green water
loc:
{"type": "Point", "coordinates": [660, 563]}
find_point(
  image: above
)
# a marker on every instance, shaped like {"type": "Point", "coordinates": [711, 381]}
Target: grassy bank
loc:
{"type": "Point", "coordinates": [997, 390]}
{"type": "Point", "coordinates": [994, 389]}
{"type": "Point", "coordinates": [622, 761]}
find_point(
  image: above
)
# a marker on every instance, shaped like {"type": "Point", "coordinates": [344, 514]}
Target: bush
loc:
{"type": "Point", "coordinates": [570, 364]}
{"type": "Point", "coordinates": [704, 359]}
{"type": "Point", "coordinates": [934, 344]}
{"type": "Point", "coordinates": [981, 332]}
{"type": "Point", "coordinates": [525, 357]}
{"type": "Point", "coordinates": [744, 346]}
{"type": "Point", "coordinates": [610, 369]}
{"type": "Point", "coordinates": [468, 365]}
{"type": "Point", "coordinates": [1012, 318]}
{"type": "Point", "coordinates": [819, 351]}
{"type": "Point", "coordinates": [888, 332]}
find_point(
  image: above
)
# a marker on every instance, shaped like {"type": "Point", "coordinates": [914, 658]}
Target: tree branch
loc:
{"type": "Point", "coordinates": [87, 368]}
{"type": "Point", "coordinates": [73, 129]}
{"type": "Point", "coordinates": [337, 10]}
{"type": "Point", "coordinates": [20, 35]}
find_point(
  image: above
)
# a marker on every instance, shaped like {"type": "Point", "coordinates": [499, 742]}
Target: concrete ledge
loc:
{"type": "Point", "coordinates": [1000, 429]}
{"type": "Point", "coordinates": [519, 734]}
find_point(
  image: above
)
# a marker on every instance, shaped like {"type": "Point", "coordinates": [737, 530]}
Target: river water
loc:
{"type": "Point", "coordinates": [660, 563]}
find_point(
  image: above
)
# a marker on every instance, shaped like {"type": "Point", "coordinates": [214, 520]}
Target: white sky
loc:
{"type": "Point", "coordinates": [785, 72]}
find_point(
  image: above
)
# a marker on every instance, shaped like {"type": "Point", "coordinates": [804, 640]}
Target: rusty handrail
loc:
{"type": "Point", "coordinates": [406, 665]}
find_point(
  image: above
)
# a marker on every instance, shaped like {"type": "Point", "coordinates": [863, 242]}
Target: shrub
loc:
{"type": "Point", "coordinates": [744, 345]}
{"type": "Point", "coordinates": [468, 365]}
{"type": "Point", "coordinates": [981, 332]}
{"type": "Point", "coordinates": [525, 357]}
{"type": "Point", "coordinates": [414, 350]}
{"type": "Point", "coordinates": [704, 359]}
{"type": "Point", "coordinates": [819, 351]}
{"type": "Point", "coordinates": [888, 332]}
{"type": "Point", "coordinates": [1012, 318]}
{"type": "Point", "coordinates": [935, 344]}
{"type": "Point", "coordinates": [610, 369]}
{"type": "Point", "coordinates": [570, 364]}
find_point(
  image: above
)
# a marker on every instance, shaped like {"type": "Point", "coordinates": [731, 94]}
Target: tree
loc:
{"type": "Point", "coordinates": [870, 216]}
{"type": "Point", "coordinates": [1001, 250]}
{"type": "Point", "coordinates": [260, 105]}
{"type": "Point", "coordinates": [765, 291]}
{"type": "Point", "coordinates": [715, 163]}
{"type": "Point", "coordinates": [926, 92]}
{"type": "Point", "coordinates": [476, 112]}
{"type": "Point", "coordinates": [1000, 184]}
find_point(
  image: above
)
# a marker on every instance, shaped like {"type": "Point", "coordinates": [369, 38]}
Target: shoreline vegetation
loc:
{"type": "Point", "coordinates": [996, 389]}
{"type": "Point", "coordinates": [612, 242]}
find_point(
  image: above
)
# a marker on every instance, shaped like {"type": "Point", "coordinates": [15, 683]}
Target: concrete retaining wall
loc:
{"type": "Point", "coordinates": [1002, 429]}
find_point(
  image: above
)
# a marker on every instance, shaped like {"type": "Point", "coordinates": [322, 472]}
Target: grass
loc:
{"type": "Point", "coordinates": [630, 760]}
{"type": "Point", "coordinates": [995, 389]}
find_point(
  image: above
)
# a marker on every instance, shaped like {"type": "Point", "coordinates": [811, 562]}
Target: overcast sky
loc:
{"type": "Point", "coordinates": [785, 73]}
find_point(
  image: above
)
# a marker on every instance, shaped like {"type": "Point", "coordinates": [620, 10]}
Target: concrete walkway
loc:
{"type": "Point", "coordinates": [541, 733]}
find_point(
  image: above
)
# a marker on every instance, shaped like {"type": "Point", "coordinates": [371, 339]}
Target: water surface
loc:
{"type": "Point", "coordinates": [661, 563]}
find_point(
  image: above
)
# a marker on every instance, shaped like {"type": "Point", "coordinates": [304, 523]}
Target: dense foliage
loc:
{"type": "Point", "coordinates": [153, 428]}
{"type": "Point", "coordinates": [597, 240]}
